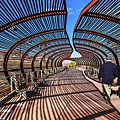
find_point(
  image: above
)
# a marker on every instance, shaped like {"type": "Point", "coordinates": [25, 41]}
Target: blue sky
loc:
{"type": "Point", "coordinates": [74, 7]}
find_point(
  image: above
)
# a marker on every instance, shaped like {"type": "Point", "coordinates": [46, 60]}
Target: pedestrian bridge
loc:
{"type": "Point", "coordinates": [34, 83]}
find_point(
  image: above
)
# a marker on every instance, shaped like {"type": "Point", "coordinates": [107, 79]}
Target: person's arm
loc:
{"type": "Point", "coordinates": [115, 80]}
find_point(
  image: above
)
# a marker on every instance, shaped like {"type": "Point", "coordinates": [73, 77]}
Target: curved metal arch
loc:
{"type": "Point", "coordinates": [98, 34]}
{"type": "Point", "coordinates": [60, 59]}
{"type": "Point", "coordinates": [85, 56]}
{"type": "Point", "coordinates": [97, 15]}
{"type": "Point", "coordinates": [86, 13]}
{"type": "Point", "coordinates": [91, 47]}
{"type": "Point", "coordinates": [6, 72]}
{"type": "Point", "coordinates": [22, 41]}
{"type": "Point", "coordinates": [115, 56]}
{"type": "Point", "coordinates": [93, 2]}
{"type": "Point", "coordinates": [21, 64]}
{"type": "Point", "coordinates": [106, 17]}
{"type": "Point", "coordinates": [79, 50]}
{"type": "Point", "coordinates": [43, 58]}
{"type": "Point", "coordinates": [46, 54]}
{"type": "Point", "coordinates": [96, 53]}
{"type": "Point", "coordinates": [37, 15]}
{"type": "Point", "coordinates": [25, 54]}
{"type": "Point", "coordinates": [92, 55]}
{"type": "Point", "coordinates": [53, 54]}
{"type": "Point", "coordinates": [58, 56]}
{"type": "Point", "coordinates": [46, 42]}
{"type": "Point", "coordinates": [61, 55]}
{"type": "Point", "coordinates": [22, 60]}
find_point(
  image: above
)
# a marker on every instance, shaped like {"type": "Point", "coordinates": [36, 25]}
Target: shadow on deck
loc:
{"type": "Point", "coordinates": [69, 97]}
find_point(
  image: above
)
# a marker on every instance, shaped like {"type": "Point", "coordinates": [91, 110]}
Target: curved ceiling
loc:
{"type": "Point", "coordinates": [98, 27]}
{"type": "Point", "coordinates": [32, 29]}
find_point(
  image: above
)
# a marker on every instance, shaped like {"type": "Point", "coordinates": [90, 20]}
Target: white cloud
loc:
{"type": "Point", "coordinates": [71, 11]}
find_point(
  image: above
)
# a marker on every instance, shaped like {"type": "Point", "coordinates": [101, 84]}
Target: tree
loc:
{"type": "Point", "coordinates": [72, 64]}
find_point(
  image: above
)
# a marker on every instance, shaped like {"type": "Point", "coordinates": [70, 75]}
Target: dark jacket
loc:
{"type": "Point", "coordinates": [108, 71]}
{"type": "Point", "coordinates": [118, 74]}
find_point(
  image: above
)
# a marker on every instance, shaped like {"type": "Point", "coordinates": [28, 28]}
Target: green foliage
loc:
{"type": "Point", "coordinates": [72, 64]}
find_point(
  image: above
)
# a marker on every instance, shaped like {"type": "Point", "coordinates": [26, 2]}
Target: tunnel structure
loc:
{"type": "Point", "coordinates": [34, 42]}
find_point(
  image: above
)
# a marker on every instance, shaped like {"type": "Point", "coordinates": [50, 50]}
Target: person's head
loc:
{"type": "Point", "coordinates": [108, 59]}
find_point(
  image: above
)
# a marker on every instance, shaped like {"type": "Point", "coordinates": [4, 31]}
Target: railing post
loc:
{"type": "Point", "coordinates": [31, 76]}
{"type": "Point", "coordinates": [11, 85]}
{"type": "Point", "coordinates": [41, 73]}
{"type": "Point", "coordinates": [15, 83]}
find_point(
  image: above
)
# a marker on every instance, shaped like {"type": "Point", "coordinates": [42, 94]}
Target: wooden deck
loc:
{"type": "Point", "coordinates": [69, 97]}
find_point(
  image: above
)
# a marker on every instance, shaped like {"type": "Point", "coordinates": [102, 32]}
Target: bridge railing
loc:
{"type": "Point", "coordinates": [28, 81]}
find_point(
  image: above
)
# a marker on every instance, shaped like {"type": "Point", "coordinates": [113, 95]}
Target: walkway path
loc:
{"type": "Point", "coordinates": [70, 97]}
{"type": "Point", "coordinates": [115, 100]}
